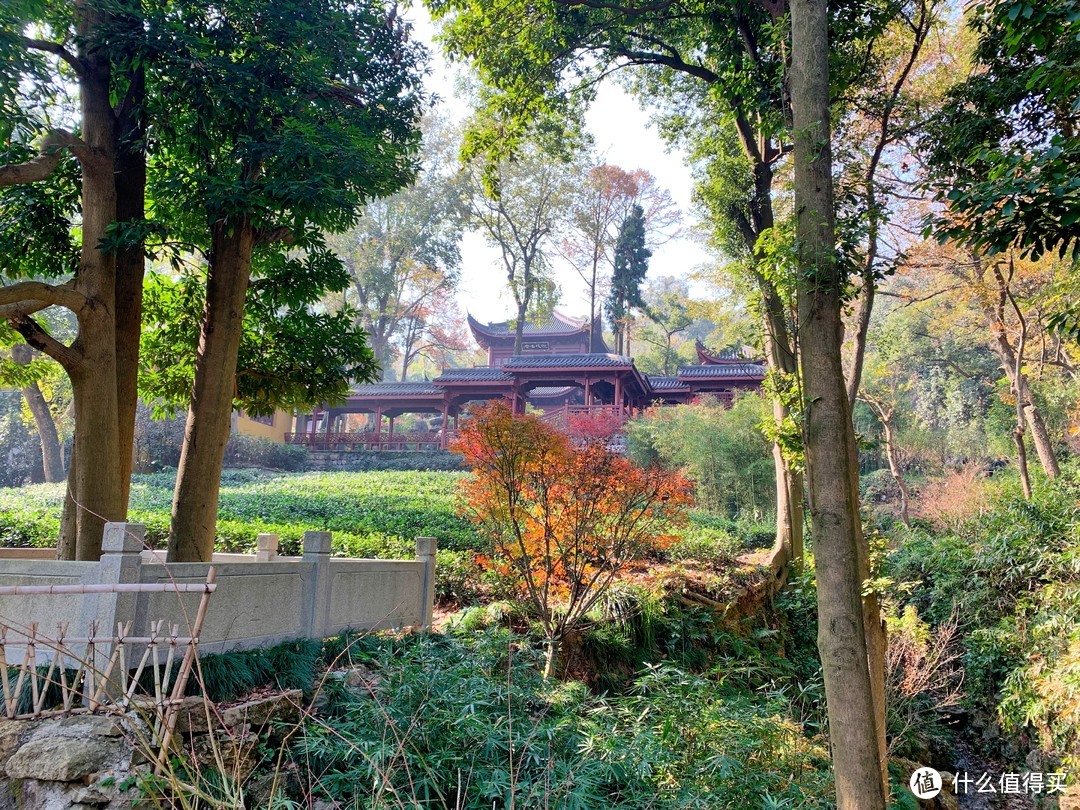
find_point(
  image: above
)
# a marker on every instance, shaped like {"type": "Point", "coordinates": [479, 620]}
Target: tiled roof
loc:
{"type": "Point", "coordinates": [732, 354]}
{"type": "Point", "coordinates": [551, 391]}
{"type": "Point", "coordinates": [395, 389]}
{"type": "Point", "coordinates": [554, 324]}
{"type": "Point", "coordinates": [722, 371]}
{"type": "Point", "coordinates": [540, 361]}
{"type": "Point", "coordinates": [473, 375]}
{"type": "Point", "coordinates": [667, 384]}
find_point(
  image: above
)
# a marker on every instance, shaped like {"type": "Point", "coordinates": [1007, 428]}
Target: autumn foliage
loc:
{"type": "Point", "coordinates": [565, 514]}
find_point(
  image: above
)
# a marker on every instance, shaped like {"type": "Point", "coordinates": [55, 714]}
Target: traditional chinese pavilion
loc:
{"type": "Point", "coordinates": [555, 372]}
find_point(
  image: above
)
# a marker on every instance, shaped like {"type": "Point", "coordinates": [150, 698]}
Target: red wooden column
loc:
{"type": "Point", "coordinates": [390, 435]}
{"type": "Point", "coordinates": [378, 428]}
{"type": "Point", "coordinates": [588, 390]}
{"type": "Point", "coordinates": [618, 392]}
{"type": "Point", "coordinates": [443, 437]}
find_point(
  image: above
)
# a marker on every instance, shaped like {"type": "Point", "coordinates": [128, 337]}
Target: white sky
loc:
{"type": "Point", "coordinates": [624, 136]}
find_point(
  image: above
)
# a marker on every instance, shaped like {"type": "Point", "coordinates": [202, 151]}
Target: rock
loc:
{"type": "Point", "coordinates": [13, 733]}
{"type": "Point", "coordinates": [191, 718]}
{"type": "Point", "coordinates": [63, 759]}
{"type": "Point", "coordinates": [361, 677]}
{"type": "Point", "coordinates": [1071, 799]}
{"type": "Point", "coordinates": [228, 752]}
{"type": "Point", "coordinates": [96, 794]}
{"type": "Point", "coordinates": [263, 789]}
{"type": "Point", "coordinates": [284, 707]}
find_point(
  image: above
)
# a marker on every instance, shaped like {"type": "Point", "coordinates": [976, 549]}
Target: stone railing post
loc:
{"type": "Point", "coordinates": [425, 553]}
{"type": "Point", "coordinates": [121, 561]}
{"type": "Point", "coordinates": [266, 547]}
{"type": "Point", "coordinates": [317, 551]}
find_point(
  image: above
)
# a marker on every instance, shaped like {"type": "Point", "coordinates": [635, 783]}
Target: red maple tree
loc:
{"type": "Point", "coordinates": [565, 516]}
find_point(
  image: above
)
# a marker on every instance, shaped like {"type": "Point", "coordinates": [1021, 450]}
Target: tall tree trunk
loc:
{"type": "Point", "coordinates": [95, 484]}
{"type": "Point", "coordinates": [1012, 360]}
{"type": "Point", "coordinates": [551, 658]}
{"type": "Point", "coordinates": [894, 468]}
{"type": "Point", "coordinates": [130, 271]}
{"type": "Point", "coordinates": [1031, 412]}
{"type": "Point", "coordinates": [95, 452]}
{"type": "Point", "coordinates": [195, 500]}
{"type": "Point", "coordinates": [69, 525]}
{"type": "Point", "coordinates": [519, 332]}
{"type": "Point", "coordinates": [52, 461]}
{"type": "Point", "coordinates": [856, 730]}
{"type": "Point", "coordinates": [885, 415]}
{"type": "Point", "coordinates": [789, 482]}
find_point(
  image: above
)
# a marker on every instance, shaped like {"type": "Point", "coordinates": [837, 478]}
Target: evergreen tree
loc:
{"type": "Point", "coordinates": [631, 265]}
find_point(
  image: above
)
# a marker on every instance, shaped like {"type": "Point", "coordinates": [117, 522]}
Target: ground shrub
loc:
{"type": "Point", "coordinates": [368, 512]}
{"type": "Point", "coordinates": [231, 675]}
{"type": "Point", "coordinates": [426, 460]}
{"type": "Point", "coordinates": [252, 451]}
{"type": "Point", "coordinates": [467, 722]}
{"type": "Point", "coordinates": [1010, 575]}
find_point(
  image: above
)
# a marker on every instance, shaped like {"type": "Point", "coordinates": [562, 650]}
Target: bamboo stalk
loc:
{"type": "Point", "coordinates": [185, 671]}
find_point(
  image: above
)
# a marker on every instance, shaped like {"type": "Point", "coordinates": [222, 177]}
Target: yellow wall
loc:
{"type": "Point", "coordinates": [283, 422]}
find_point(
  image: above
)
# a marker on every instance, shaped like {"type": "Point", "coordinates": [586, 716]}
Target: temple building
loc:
{"type": "Point", "coordinates": [554, 372]}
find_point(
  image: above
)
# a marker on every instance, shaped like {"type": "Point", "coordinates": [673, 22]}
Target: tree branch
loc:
{"type": "Point", "coordinates": [50, 150]}
{"type": "Point", "coordinates": [675, 62]}
{"type": "Point", "coordinates": [36, 336]}
{"type": "Point", "coordinates": [271, 236]}
{"type": "Point", "coordinates": [27, 297]}
{"type": "Point", "coordinates": [55, 48]}
{"type": "Point", "coordinates": [629, 11]}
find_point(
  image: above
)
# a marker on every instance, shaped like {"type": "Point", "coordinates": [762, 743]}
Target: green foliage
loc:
{"type": "Point", "coordinates": [297, 114]}
{"type": "Point", "coordinates": [37, 220]}
{"type": "Point", "coordinates": [482, 725]}
{"type": "Point", "coordinates": [719, 447]}
{"type": "Point", "coordinates": [293, 354]}
{"type": "Point", "coordinates": [631, 263]}
{"type": "Point", "coordinates": [1005, 146]}
{"type": "Point", "coordinates": [428, 460]}
{"type": "Point", "coordinates": [376, 514]}
{"type": "Point", "coordinates": [228, 676]}
{"type": "Point", "coordinates": [363, 509]}
{"type": "Point", "coordinates": [252, 451]}
{"type": "Point", "coordinates": [1011, 576]}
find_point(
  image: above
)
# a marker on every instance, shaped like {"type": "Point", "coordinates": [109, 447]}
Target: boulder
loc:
{"type": "Point", "coordinates": [63, 759]}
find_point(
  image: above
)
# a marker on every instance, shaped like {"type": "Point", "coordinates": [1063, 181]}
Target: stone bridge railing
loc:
{"type": "Point", "coordinates": [261, 600]}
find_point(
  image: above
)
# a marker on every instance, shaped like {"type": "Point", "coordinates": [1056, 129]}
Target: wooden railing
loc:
{"type": "Point", "coordinates": [412, 440]}
{"type": "Point", "coordinates": [561, 416]}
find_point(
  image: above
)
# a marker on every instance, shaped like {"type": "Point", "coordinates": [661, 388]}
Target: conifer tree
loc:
{"type": "Point", "coordinates": [631, 265]}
